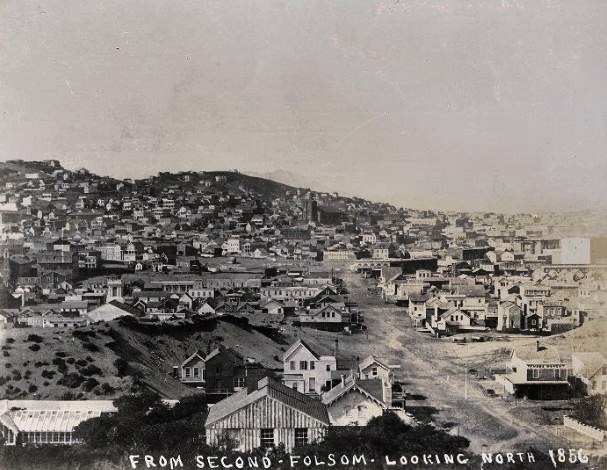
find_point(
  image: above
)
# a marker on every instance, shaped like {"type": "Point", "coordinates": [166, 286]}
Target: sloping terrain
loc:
{"type": "Point", "coordinates": [63, 363]}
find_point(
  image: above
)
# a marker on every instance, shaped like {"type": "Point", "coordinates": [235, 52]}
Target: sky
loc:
{"type": "Point", "coordinates": [448, 105]}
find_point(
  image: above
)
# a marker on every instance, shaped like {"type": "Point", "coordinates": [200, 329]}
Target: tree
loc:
{"type": "Point", "coordinates": [591, 411]}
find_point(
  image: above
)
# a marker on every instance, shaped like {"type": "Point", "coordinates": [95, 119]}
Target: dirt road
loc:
{"type": "Point", "coordinates": [437, 383]}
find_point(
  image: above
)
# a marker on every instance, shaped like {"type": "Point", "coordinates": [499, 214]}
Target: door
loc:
{"type": "Point", "coordinates": [312, 384]}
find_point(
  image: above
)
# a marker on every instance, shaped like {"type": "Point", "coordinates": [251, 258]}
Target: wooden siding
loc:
{"type": "Point", "coordinates": [266, 413]}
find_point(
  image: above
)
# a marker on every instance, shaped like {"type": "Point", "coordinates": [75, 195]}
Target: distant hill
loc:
{"type": "Point", "coordinates": [256, 184]}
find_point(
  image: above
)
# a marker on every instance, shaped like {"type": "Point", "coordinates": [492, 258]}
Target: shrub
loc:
{"type": "Point", "coordinates": [71, 380]}
{"type": "Point", "coordinates": [32, 388]}
{"type": "Point", "coordinates": [35, 347]}
{"type": "Point", "coordinates": [34, 338]}
{"type": "Point", "coordinates": [27, 375]}
{"type": "Point", "coordinates": [60, 354]}
{"type": "Point", "coordinates": [17, 375]}
{"type": "Point", "coordinates": [89, 359]}
{"type": "Point", "coordinates": [90, 347]}
{"type": "Point", "coordinates": [90, 384]}
{"type": "Point", "coordinates": [91, 370]}
{"type": "Point", "coordinates": [9, 340]}
{"type": "Point", "coordinates": [81, 363]}
{"type": "Point", "coordinates": [5, 353]}
{"type": "Point", "coordinates": [107, 389]}
{"type": "Point", "coordinates": [8, 365]}
{"type": "Point", "coordinates": [46, 383]}
{"type": "Point", "coordinates": [83, 335]}
{"type": "Point", "coordinates": [122, 367]}
{"type": "Point", "coordinates": [70, 360]}
{"type": "Point", "coordinates": [48, 374]}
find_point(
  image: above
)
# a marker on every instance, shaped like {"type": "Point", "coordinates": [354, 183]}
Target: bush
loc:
{"type": "Point", "coordinates": [48, 374]}
{"type": "Point", "coordinates": [27, 375]}
{"type": "Point", "coordinates": [90, 347]}
{"type": "Point", "coordinates": [71, 380]}
{"type": "Point", "coordinates": [32, 388]}
{"type": "Point", "coordinates": [60, 354]}
{"type": "Point", "coordinates": [46, 383]}
{"type": "Point", "coordinates": [8, 365]}
{"type": "Point", "coordinates": [70, 360]}
{"type": "Point", "coordinates": [34, 338]}
{"type": "Point", "coordinates": [5, 353]}
{"type": "Point", "coordinates": [35, 347]}
{"type": "Point", "coordinates": [90, 384]}
{"type": "Point", "coordinates": [81, 363]}
{"type": "Point", "coordinates": [107, 389]}
{"type": "Point", "coordinates": [91, 370]}
{"type": "Point", "coordinates": [122, 367]}
{"type": "Point", "coordinates": [17, 375]}
{"type": "Point", "coordinates": [9, 340]}
{"type": "Point", "coordinates": [83, 335]}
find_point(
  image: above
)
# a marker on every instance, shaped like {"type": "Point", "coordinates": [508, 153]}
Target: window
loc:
{"type": "Point", "coordinates": [292, 365]}
{"type": "Point", "coordinates": [303, 365]}
{"type": "Point", "coordinates": [301, 436]}
{"type": "Point", "coordinates": [239, 382]}
{"type": "Point", "coordinates": [196, 371]}
{"type": "Point", "coordinates": [312, 365]}
{"type": "Point", "coordinates": [374, 371]}
{"type": "Point", "coordinates": [535, 373]}
{"type": "Point", "coordinates": [188, 372]}
{"type": "Point", "coordinates": [328, 368]}
{"type": "Point", "coordinates": [267, 438]}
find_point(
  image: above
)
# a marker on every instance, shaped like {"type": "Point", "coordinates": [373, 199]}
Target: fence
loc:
{"type": "Point", "coordinates": [590, 431]}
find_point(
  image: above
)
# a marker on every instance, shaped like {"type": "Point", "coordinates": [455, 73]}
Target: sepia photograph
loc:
{"type": "Point", "coordinates": [281, 234]}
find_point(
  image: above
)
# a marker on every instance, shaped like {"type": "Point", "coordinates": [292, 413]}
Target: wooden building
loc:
{"type": "Point", "coordinates": [267, 414]}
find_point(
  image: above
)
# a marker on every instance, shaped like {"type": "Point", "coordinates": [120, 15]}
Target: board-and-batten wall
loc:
{"type": "Point", "coordinates": [245, 425]}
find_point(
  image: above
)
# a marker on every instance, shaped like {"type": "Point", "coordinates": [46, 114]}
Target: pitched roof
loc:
{"type": "Point", "coordinates": [372, 389]}
{"type": "Point", "coordinates": [367, 361]}
{"type": "Point", "coordinates": [273, 389]}
{"type": "Point", "coordinates": [298, 343]}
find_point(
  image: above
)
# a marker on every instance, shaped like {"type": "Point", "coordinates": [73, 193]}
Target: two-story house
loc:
{"type": "Point", "coordinates": [307, 371]}
{"type": "Point", "coordinates": [537, 375]}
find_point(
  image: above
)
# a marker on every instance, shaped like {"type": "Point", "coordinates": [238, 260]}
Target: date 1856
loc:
{"type": "Point", "coordinates": [561, 456]}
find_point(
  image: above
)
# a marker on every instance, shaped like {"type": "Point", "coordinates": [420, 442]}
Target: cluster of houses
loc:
{"type": "Point", "coordinates": [545, 301]}
{"type": "Point", "coordinates": [310, 298]}
{"type": "Point", "coordinates": [293, 406]}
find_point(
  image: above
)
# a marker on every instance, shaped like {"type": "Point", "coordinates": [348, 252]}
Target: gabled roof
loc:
{"type": "Point", "coordinates": [274, 390]}
{"type": "Point", "coordinates": [367, 361]}
{"type": "Point", "coordinates": [451, 311]}
{"type": "Point", "coordinates": [193, 356]}
{"type": "Point", "coordinates": [372, 389]}
{"type": "Point", "coordinates": [296, 345]}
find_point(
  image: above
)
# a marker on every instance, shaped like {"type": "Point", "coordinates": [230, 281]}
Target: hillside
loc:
{"type": "Point", "coordinates": [54, 364]}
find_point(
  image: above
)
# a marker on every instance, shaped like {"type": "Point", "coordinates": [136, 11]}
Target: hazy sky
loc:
{"type": "Point", "coordinates": [483, 105]}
